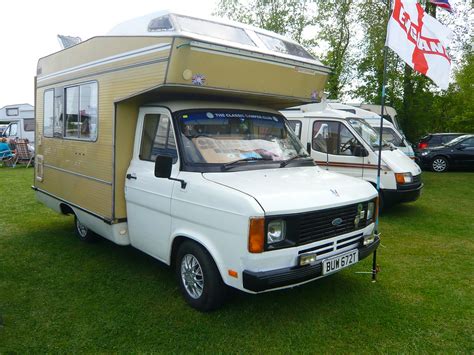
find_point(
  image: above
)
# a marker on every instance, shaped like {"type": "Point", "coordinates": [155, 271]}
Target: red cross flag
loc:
{"type": "Point", "coordinates": [420, 40]}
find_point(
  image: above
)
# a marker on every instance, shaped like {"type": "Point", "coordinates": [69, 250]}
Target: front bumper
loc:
{"type": "Point", "coordinates": [402, 194]}
{"type": "Point", "coordinates": [266, 280]}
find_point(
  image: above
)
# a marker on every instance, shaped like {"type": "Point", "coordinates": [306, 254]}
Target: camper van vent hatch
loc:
{"type": "Point", "coordinates": [159, 24]}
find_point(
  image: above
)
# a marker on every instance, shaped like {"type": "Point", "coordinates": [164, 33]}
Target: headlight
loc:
{"type": "Point", "coordinates": [404, 178]}
{"type": "Point", "coordinates": [370, 210]}
{"type": "Point", "coordinates": [276, 231]}
{"type": "Point", "coordinates": [425, 153]}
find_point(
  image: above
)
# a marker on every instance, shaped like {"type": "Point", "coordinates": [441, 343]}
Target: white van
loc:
{"type": "Point", "coordinates": [165, 136]}
{"type": "Point", "coordinates": [390, 133]}
{"type": "Point", "coordinates": [340, 141]}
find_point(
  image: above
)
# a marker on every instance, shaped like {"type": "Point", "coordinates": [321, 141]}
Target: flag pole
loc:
{"type": "Point", "coordinates": [379, 163]}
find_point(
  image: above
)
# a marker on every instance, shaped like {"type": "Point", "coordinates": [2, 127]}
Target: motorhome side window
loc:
{"type": "Point", "coordinates": [338, 141]}
{"type": "Point", "coordinates": [81, 112]}
{"type": "Point", "coordinates": [48, 113]}
{"type": "Point", "coordinates": [157, 138]}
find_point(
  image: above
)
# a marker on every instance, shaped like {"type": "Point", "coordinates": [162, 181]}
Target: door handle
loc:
{"type": "Point", "coordinates": [131, 176]}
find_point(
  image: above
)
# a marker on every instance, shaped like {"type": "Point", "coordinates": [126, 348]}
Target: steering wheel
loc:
{"type": "Point", "coordinates": [348, 145]}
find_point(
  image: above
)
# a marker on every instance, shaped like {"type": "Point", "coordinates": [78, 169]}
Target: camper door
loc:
{"type": "Point", "coordinates": [334, 147]}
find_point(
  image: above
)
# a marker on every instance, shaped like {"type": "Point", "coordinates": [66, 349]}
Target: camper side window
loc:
{"type": "Point", "coordinates": [48, 113]}
{"type": "Point", "coordinates": [157, 138]}
{"type": "Point", "coordinates": [81, 112]}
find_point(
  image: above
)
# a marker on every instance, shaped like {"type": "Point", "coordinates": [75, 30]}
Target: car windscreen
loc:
{"type": "Point", "coordinates": [218, 137]}
{"type": "Point", "coordinates": [368, 134]}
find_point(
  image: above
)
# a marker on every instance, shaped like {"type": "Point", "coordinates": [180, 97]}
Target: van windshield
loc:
{"type": "Point", "coordinates": [220, 137]}
{"type": "Point", "coordinates": [368, 134]}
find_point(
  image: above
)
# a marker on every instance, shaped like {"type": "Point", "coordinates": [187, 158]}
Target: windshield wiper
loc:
{"type": "Point", "coordinates": [228, 165]}
{"type": "Point", "coordinates": [287, 161]}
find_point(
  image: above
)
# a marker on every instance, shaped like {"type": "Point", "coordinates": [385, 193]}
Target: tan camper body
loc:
{"type": "Point", "coordinates": [130, 71]}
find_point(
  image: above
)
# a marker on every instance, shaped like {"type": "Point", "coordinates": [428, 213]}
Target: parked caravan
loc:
{"type": "Point", "coordinates": [19, 120]}
{"type": "Point", "coordinates": [390, 133]}
{"type": "Point", "coordinates": [339, 141]}
{"type": "Point", "coordinates": [165, 135]}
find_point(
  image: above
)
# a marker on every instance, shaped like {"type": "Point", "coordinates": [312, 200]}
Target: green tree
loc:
{"type": "Point", "coordinates": [335, 20]}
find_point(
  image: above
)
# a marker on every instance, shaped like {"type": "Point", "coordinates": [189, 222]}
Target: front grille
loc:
{"type": "Point", "coordinates": [417, 179]}
{"type": "Point", "coordinates": [317, 225]}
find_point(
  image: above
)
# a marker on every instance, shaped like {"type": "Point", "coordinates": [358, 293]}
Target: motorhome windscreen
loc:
{"type": "Point", "coordinates": [214, 30]}
{"type": "Point", "coordinates": [281, 46]}
{"type": "Point", "coordinates": [389, 135]}
{"type": "Point", "coordinates": [368, 134]}
{"type": "Point", "coordinates": [220, 137]}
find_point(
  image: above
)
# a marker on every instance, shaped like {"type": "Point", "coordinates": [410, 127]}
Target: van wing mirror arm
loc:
{"type": "Point", "coordinates": [183, 183]}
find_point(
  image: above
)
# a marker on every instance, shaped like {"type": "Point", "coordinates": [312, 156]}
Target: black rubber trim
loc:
{"type": "Point", "coordinates": [408, 195]}
{"type": "Point", "coordinates": [266, 280]}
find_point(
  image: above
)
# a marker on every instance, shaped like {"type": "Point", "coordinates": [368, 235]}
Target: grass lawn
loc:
{"type": "Point", "coordinates": [58, 294]}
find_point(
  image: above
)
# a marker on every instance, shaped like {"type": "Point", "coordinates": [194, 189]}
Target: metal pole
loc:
{"type": "Point", "coordinates": [379, 163]}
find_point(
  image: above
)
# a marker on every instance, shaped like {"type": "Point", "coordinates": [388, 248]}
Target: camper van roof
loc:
{"type": "Point", "coordinates": [361, 113]}
{"type": "Point", "coordinates": [214, 30]}
{"type": "Point", "coordinates": [318, 110]}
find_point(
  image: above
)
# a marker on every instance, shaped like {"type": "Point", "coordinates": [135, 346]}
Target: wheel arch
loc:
{"type": "Point", "coordinates": [180, 238]}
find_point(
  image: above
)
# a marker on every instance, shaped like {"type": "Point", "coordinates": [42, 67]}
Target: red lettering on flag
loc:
{"type": "Point", "coordinates": [423, 45]}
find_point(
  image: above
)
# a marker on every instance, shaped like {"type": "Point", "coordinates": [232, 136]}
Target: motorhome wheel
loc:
{"type": "Point", "coordinates": [84, 233]}
{"type": "Point", "coordinates": [198, 277]}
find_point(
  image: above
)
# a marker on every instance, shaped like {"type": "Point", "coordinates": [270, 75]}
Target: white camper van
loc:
{"type": "Point", "coordinates": [20, 120]}
{"type": "Point", "coordinates": [165, 135]}
{"type": "Point", "coordinates": [390, 133]}
{"type": "Point", "coordinates": [340, 141]}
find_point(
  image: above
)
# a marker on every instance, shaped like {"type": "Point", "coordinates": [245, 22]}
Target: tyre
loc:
{"type": "Point", "coordinates": [84, 233]}
{"type": "Point", "coordinates": [198, 277]}
{"type": "Point", "coordinates": [439, 164]}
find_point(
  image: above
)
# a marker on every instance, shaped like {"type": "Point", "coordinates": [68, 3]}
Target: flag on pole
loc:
{"type": "Point", "coordinates": [420, 40]}
{"type": "Point", "coordinates": [444, 4]}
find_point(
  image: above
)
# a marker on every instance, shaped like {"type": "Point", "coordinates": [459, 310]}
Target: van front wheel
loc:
{"type": "Point", "coordinates": [198, 277]}
{"type": "Point", "coordinates": [84, 233]}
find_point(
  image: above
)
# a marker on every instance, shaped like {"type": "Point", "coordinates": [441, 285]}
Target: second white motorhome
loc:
{"type": "Point", "coordinates": [340, 141]}
{"type": "Point", "coordinates": [20, 120]}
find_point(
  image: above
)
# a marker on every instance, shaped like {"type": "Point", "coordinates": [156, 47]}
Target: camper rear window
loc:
{"type": "Point", "coordinates": [215, 30]}
{"type": "Point", "coordinates": [281, 46]}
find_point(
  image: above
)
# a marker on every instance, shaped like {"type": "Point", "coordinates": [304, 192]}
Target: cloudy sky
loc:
{"type": "Point", "coordinates": [29, 29]}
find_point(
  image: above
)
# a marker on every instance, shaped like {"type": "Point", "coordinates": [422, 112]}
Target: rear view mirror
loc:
{"type": "Point", "coordinates": [163, 166]}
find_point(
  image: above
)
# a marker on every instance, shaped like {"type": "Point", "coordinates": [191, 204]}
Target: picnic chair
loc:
{"type": "Point", "coordinates": [6, 157]}
{"type": "Point", "coordinates": [23, 154]}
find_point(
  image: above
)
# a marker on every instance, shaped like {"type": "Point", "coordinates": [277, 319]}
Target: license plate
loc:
{"type": "Point", "coordinates": [340, 261]}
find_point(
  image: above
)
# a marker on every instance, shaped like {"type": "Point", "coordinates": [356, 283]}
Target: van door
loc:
{"type": "Point", "coordinates": [149, 198]}
{"type": "Point", "coordinates": [11, 132]}
{"type": "Point", "coordinates": [335, 148]}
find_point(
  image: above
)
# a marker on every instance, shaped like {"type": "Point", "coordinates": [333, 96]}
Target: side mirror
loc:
{"type": "Point", "coordinates": [163, 166]}
{"type": "Point", "coordinates": [461, 147]}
